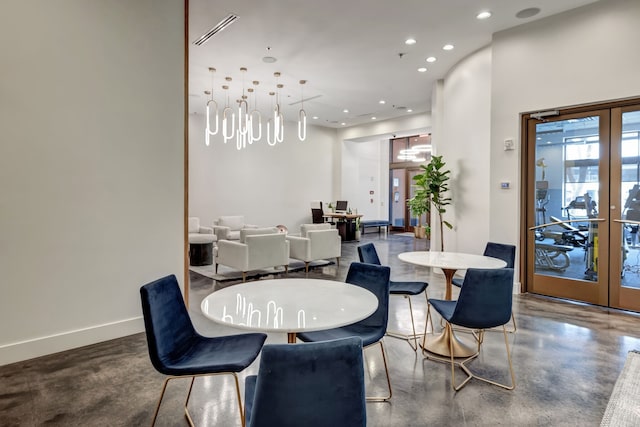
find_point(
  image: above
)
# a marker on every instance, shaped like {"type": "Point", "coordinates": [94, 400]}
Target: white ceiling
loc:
{"type": "Point", "coordinates": [347, 50]}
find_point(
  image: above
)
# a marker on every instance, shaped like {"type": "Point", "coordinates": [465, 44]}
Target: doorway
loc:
{"type": "Point", "coordinates": [583, 204]}
{"type": "Point", "coordinates": [405, 156]}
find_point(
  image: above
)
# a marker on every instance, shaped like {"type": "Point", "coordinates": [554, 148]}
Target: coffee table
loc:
{"type": "Point", "coordinates": [449, 263]}
{"type": "Point", "coordinates": [289, 305]}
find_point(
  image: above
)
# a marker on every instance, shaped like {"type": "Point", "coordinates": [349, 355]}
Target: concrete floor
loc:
{"type": "Point", "coordinates": [566, 356]}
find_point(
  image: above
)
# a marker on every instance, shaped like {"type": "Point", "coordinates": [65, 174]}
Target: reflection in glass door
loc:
{"type": "Point", "coordinates": [568, 227]}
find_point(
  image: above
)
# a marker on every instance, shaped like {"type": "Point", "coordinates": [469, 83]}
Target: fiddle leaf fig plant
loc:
{"type": "Point", "coordinates": [431, 187]}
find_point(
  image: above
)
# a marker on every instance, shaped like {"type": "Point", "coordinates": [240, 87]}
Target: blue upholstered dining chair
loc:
{"type": "Point", "coordinates": [374, 278]}
{"type": "Point", "coordinates": [502, 251]}
{"type": "Point", "coordinates": [309, 384]}
{"type": "Point", "coordinates": [177, 350]}
{"type": "Point", "coordinates": [484, 302]}
{"type": "Point", "coordinates": [369, 255]}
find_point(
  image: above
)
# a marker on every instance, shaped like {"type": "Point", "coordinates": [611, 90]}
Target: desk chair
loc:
{"type": "Point", "coordinates": [368, 254]}
{"type": "Point", "coordinates": [484, 302]}
{"type": "Point", "coordinates": [374, 278]}
{"type": "Point", "coordinates": [310, 384]}
{"type": "Point", "coordinates": [177, 350]}
{"type": "Point", "coordinates": [507, 253]}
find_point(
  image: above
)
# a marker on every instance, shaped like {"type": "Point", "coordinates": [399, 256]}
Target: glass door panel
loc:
{"type": "Point", "coordinates": [398, 196]}
{"type": "Point", "coordinates": [625, 268]}
{"type": "Point", "coordinates": [570, 162]}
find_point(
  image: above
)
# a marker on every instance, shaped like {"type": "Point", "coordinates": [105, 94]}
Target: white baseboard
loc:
{"type": "Point", "coordinates": [24, 350]}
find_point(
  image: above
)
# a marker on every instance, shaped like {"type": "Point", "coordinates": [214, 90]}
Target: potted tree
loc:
{"type": "Point", "coordinates": [431, 187]}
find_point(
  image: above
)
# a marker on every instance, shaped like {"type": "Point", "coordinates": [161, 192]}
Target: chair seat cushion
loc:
{"type": "Point", "coordinates": [203, 355]}
{"type": "Point", "coordinates": [407, 288]}
{"type": "Point", "coordinates": [368, 334]}
{"type": "Point", "coordinates": [444, 307]}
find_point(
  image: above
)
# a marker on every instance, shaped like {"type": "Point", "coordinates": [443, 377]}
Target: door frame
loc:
{"type": "Point", "coordinates": [608, 198]}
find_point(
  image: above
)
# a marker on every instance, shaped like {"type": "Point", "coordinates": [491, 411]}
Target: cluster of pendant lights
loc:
{"type": "Point", "coordinates": [244, 123]}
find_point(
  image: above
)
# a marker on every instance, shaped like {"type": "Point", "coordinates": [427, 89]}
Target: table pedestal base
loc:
{"type": "Point", "coordinates": [439, 344]}
{"type": "Point", "coordinates": [291, 337]}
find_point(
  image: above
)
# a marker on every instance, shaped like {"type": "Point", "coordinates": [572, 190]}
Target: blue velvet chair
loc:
{"type": "Point", "coordinates": [484, 302]}
{"type": "Point", "coordinates": [502, 251]}
{"type": "Point", "coordinates": [368, 254]}
{"type": "Point", "coordinates": [177, 350]}
{"type": "Point", "coordinates": [310, 384]}
{"type": "Point", "coordinates": [374, 278]}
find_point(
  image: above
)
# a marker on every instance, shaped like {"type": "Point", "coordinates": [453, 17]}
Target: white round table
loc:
{"type": "Point", "coordinates": [449, 263]}
{"type": "Point", "coordinates": [289, 305]}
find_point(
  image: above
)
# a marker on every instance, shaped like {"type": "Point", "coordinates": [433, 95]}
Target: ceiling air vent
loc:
{"type": "Point", "coordinates": [228, 20]}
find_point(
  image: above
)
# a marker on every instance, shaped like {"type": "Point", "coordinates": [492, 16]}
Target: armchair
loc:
{"type": "Point", "coordinates": [257, 248]}
{"type": "Point", "coordinates": [195, 229]}
{"type": "Point", "coordinates": [316, 241]}
{"type": "Point", "coordinates": [228, 227]}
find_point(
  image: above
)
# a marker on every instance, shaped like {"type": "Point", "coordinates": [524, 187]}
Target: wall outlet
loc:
{"type": "Point", "coordinates": [509, 144]}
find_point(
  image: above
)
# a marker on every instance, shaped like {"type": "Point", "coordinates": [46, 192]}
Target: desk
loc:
{"type": "Point", "coordinates": [346, 226]}
{"type": "Point", "coordinates": [450, 262]}
{"type": "Point", "coordinates": [289, 305]}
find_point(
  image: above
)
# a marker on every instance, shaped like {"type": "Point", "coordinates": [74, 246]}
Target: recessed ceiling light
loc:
{"type": "Point", "coordinates": [447, 47]}
{"type": "Point", "coordinates": [343, 124]}
{"type": "Point", "coordinates": [528, 13]}
{"type": "Point", "coordinates": [315, 117]}
{"type": "Point", "coordinates": [409, 110]}
{"type": "Point", "coordinates": [410, 41]}
{"type": "Point", "coordinates": [431, 59]}
{"type": "Point", "coordinates": [345, 111]}
{"type": "Point", "coordinates": [373, 118]}
{"type": "Point", "coordinates": [483, 15]}
{"type": "Point", "coordinates": [382, 101]}
{"type": "Point", "coordinates": [269, 59]}
{"type": "Point", "coordinates": [422, 69]}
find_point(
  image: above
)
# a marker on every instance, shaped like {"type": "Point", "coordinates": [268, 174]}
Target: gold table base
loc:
{"type": "Point", "coordinates": [439, 344]}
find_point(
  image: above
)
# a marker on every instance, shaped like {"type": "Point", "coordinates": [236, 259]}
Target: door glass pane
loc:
{"type": "Point", "coordinates": [398, 197]}
{"type": "Point", "coordinates": [630, 191]}
{"type": "Point", "coordinates": [567, 193]}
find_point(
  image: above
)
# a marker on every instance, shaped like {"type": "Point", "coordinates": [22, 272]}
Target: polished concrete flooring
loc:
{"type": "Point", "coordinates": [566, 357]}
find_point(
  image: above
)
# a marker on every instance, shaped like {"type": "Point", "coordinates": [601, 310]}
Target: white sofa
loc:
{"type": "Point", "coordinates": [316, 242]}
{"type": "Point", "coordinates": [256, 248]}
{"type": "Point", "coordinates": [228, 227]}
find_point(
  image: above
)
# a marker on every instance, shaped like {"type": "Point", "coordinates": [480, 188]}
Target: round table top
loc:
{"type": "Point", "coordinates": [289, 305]}
{"type": "Point", "coordinates": [451, 260]}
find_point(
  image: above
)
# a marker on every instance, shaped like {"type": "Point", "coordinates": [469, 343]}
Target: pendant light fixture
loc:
{"type": "Point", "coordinates": [211, 106]}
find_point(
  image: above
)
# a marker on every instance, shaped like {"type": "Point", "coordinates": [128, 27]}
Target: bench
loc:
{"type": "Point", "coordinates": [375, 223]}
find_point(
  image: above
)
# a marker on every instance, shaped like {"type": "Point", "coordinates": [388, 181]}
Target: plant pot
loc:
{"type": "Point", "coordinates": [358, 233]}
{"type": "Point", "coordinates": [420, 232]}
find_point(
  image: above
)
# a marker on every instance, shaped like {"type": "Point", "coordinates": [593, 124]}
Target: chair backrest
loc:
{"type": "Point", "coordinates": [368, 254]}
{"type": "Point", "coordinates": [485, 298]}
{"type": "Point", "coordinates": [311, 384]}
{"type": "Point", "coordinates": [374, 278]}
{"type": "Point", "coordinates": [507, 253]}
{"type": "Point", "coordinates": [317, 216]}
{"type": "Point", "coordinates": [306, 228]}
{"type": "Point", "coordinates": [341, 205]}
{"type": "Point", "coordinates": [166, 321]}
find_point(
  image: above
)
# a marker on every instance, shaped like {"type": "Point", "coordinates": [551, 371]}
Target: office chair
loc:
{"type": "Point", "coordinates": [177, 350]}
{"type": "Point", "coordinates": [502, 251]}
{"type": "Point", "coordinates": [374, 278]}
{"type": "Point", "coordinates": [311, 384]}
{"type": "Point", "coordinates": [484, 302]}
{"type": "Point", "coordinates": [368, 254]}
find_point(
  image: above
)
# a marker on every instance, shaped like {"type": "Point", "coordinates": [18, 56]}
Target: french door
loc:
{"type": "Point", "coordinates": [583, 177]}
{"type": "Point", "coordinates": [400, 190]}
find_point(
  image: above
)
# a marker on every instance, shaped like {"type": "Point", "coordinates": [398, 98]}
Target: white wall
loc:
{"type": "Point", "coordinates": [582, 56]}
{"type": "Point", "coordinates": [462, 105]}
{"type": "Point", "coordinates": [365, 168]}
{"type": "Point", "coordinates": [268, 185]}
{"type": "Point", "coordinates": [91, 167]}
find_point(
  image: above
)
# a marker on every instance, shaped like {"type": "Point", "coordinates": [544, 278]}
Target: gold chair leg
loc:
{"type": "Point", "coordinates": [386, 369]}
{"type": "Point", "coordinates": [515, 327]}
{"type": "Point", "coordinates": [186, 403]}
{"type": "Point", "coordinates": [513, 378]}
{"type": "Point", "coordinates": [415, 335]}
{"type": "Point", "coordinates": [306, 267]}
